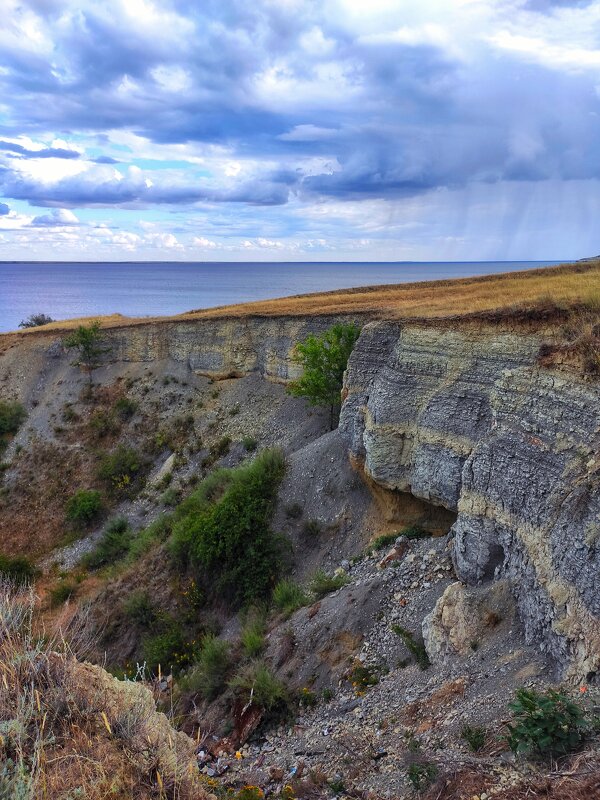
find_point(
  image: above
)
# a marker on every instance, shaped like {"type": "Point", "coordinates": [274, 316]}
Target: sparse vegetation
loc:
{"type": "Point", "coordinates": [256, 684]}
{"type": "Point", "coordinates": [84, 507]}
{"type": "Point", "coordinates": [322, 584]}
{"type": "Point", "coordinates": [474, 736]}
{"type": "Point", "coordinates": [125, 407]}
{"type": "Point", "coordinates": [545, 723]}
{"type": "Point", "coordinates": [288, 596]}
{"type": "Point", "coordinates": [140, 609]}
{"type": "Point", "coordinates": [422, 774]}
{"type": "Point", "coordinates": [113, 546]}
{"type": "Point", "coordinates": [63, 591]}
{"type": "Point", "coordinates": [323, 359]}
{"type": "Point", "coordinates": [384, 540]}
{"type": "Point", "coordinates": [253, 635]}
{"type": "Point", "coordinates": [18, 569]}
{"type": "Point", "coordinates": [293, 511]}
{"type": "Point", "coordinates": [249, 443]}
{"type": "Point", "coordinates": [312, 527]}
{"type": "Point", "coordinates": [415, 648]}
{"type": "Point", "coordinates": [209, 674]}
{"type": "Point", "coordinates": [120, 468]}
{"type": "Point", "coordinates": [12, 415]}
{"type": "Point", "coordinates": [169, 649]}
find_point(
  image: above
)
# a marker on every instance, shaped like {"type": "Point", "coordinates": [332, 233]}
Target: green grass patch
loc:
{"type": "Point", "coordinates": [415, 648]}
{"type": "Point", "coordinates": [322, 584]}
{"type": "Point", "coordinates": [289, 596]}
{"type": "Point", "coordinates": [17, 569]}
{"type": "Point", "coordinates": [112, 547]}
{"type": "Point", "coordinates": [84, 507]}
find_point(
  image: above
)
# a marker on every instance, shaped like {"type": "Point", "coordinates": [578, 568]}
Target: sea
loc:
{"type": "Point", "coordinates": [136, 289]}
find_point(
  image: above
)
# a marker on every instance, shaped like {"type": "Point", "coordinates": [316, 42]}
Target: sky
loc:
{"type": "Point", "coordinates": [327, 130]}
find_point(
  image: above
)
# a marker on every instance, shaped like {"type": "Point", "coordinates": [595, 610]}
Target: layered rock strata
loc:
{"type": "Point", "coordinates": [464, 417]}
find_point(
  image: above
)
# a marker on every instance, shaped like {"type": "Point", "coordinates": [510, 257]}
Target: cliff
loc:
{"type": "Point", "coordinates": [465, 417]}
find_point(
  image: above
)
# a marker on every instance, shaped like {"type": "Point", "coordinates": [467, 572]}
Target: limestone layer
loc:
{"type": "Point", "coordinates": [465, 418]}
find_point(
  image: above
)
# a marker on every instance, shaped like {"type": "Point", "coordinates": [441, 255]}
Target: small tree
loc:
{"type": "Point", "coordinates": [324, 359]}
{"type": "Point", "coordinates": [35, 320]}
{"type": "Point", "coordinates": [87, 339]}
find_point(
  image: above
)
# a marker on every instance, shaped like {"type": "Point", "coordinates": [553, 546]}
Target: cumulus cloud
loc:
{"type": "Point", "coordinates": [59, 217]}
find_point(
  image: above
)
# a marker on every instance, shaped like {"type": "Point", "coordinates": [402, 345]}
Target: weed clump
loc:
{"type": "Point", "coordinates": [322, 584]}
{"type": "Point", "coordinates": [120, 468]}
{"type": "Point", "coordinates": [84, 507]}
{"type": "Point", "coordinates": [474, 736]}
{"type": "Point", "coordinates": [256, 684]}
{"type": "Point", "coordinates": [288, 596]}
{"type": "Point", "coordinates": [416, 649]}
{"type": "Point", "coordinates": [12, 415]}
{"type": "Point", "coordinates": [208, 676]}
{"type": "Point", "coordinates": [253, 636]}
{"type": "Point", "coordinates": [113, 545]}
{"type": "Point", "coordinates": [139, 609]}
{"type": "Point", "coordinates": [18, 569]}
{"type": "Point", "coordinates": [545, 723]}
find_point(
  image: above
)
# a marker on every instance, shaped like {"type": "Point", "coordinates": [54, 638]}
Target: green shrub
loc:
{"type": "Point", "coordinates": [249, 444]}
{"type": "Point", "coordinates": [253, 637]}
{"type": "Point", "coordinates": [60, 593]}
{"type": "Point", "coordinates": [169, 649]}
{"type": "Point", "coordinates": [385, 540]}
{"type": "Point", "coordinates": [125, 407]}
{"type": "Point", "coordinates": [18, 569]}
{"type": "Point", "coordinates": [257, 684]}
{"type": "Point", "coordinates": [322, 584]}
{"type": "Point", "coordinates": [157, 531]}
{"type": "Point", "coordinates": [416, 649]}
{"type": "Point", "coordinates": [11, 417]}
{"type": "Point", "coordinates": [170, 497]}
{"type": "Point", "coordinates": [421, 775]}
{"type": "Point", "coordinates": [119, 468]}
{"type": "Point", "coordinates": [288, 596]}
{"type": "Point", "coordinates": [473, 736]}
{"type": "Point", "coordinates": [545, 723]}
{"type": "Point", "coordinates": [102, 423]}
{"type": "Point", "coordinates": [229, 539]}
{"type": "Point", "coordinates": [414, 532]}
{"type": "Point", "coordinates": [113, 545]}
{"type": "Point", "coordinates": [210, 673]}
{"type": "Point", "coordinates": [220, 448]}
{"type": "Point", "coordinates": [293, 511]}
{"type": "Point", "coordinates": [361, 676]}
{"type": "Point", "coordinates": [140, 609]}
{"type": "Point", "coordinates": [84, 506]}
{"type": "Point", "coordinates": [312, 527]}
{"type": "Point", "coordinates": [307, 698]}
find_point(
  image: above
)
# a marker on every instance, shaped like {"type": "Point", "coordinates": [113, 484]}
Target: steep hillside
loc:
{"type": "Point", "coordinates": [415, 566]}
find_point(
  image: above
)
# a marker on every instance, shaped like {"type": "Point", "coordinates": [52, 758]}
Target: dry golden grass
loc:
{"type": "Point", "coordinates": [566, 284]}
{"type": "Point", "coordinates": [69, 729]}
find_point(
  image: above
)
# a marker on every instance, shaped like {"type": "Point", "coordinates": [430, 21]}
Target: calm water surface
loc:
{"type": "Point", "coordinates": [65, 290]}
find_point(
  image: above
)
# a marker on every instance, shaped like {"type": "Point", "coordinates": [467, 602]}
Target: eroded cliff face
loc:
{"type": "Point", "coordinates": [464, 417]}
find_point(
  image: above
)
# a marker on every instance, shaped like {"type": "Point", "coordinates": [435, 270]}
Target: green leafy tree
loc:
{"type": "Point", "coordinates": [35, 320]}
{"type": "Point", "coordinates": [324, 359]}
{"type": "Point", "coordinates": [87, 340]}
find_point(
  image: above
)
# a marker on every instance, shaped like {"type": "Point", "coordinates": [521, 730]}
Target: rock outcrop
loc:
{"type": "Point", "coordinates": [463, 416]}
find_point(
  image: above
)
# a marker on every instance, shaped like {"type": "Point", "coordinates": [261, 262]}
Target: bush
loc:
{"type": "Point", "coordinates": [312, 527]}
{"type": "Point", "coordinates": [414, 532]}
{"type": "Point", "coordinates": [288, 596]}
{"type": "Point", "coordinates": [293, 511]}
{"type": "Point", "coordinates": [18, 569]}
{"type": "Point", "coordinates": [249, 444]}
{"type": "Point", "coordinates": [229, 539]}
{"type": "Point", "coordinates": [253, 637]}
{"type": "Point", "coordinates": [60, 593]}
{"type": "Point", "coordinates": [421, 775]}
{"type": "Point", "coordinates": [35, 320]}
{"type": "Point", "coordinates": [168, 650]}
{"type": "Point", "coordinates": [474, 737]}
{"type": "Point", "coordinates": [140, 609]}
{"type": "Point", "coordinates": [125, 407]}
{"type": "Point", "coordinates": [11, 417]}
{"type": "Point", "coordinates": [84, 506]}
{"type": "Point", "coordinates": [209, 675]}
{"type": "Point", "coordinates": [119, 468]}
{"type": "Point", "coordinates": [416, 649]}
{"type": "Point", "coordinates": [113, 545]}
{"type": "Point", "coordinates": [256, 684]}
{"type": "Point", "coordinates": [322, 584]}
{"type": "Point", "coordinates": [102, 423]}
{"type": "Point", "coordinates": [385, 540]}
{"type": "Point", "coordinates": [545, 723]}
